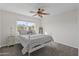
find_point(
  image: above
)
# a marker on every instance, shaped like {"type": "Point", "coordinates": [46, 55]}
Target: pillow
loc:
{"type": "Point", "coordinates": [25, 32]}
{"type": "Point", "coordinates": [22, 32]}
{"type": "Point", "coordinates": [31, 32]}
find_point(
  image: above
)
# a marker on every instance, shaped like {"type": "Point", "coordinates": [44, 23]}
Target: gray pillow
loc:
{"type": "Point", "coordinates": [22, 32]}
{"type": "Point", "coordinates": [25, 32]}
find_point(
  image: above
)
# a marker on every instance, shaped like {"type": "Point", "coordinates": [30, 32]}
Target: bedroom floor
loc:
{"type": "Point", "coordinates": [56, 49]}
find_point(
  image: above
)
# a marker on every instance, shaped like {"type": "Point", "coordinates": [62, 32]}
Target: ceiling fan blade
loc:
{"type": "Point", "coordinates": [45, 13]}
{"type": "Point", "coordinates": [32, 12]}
{"type": "Point", "coordinates": [35, 14]}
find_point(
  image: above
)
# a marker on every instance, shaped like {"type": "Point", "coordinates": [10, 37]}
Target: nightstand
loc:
{"type": "Point", "coordinates": [11, 40]}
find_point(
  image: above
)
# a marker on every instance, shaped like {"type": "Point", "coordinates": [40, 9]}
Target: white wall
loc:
{"type": "Point", "coordinates": [8, 20]}
{"type": "Point", "coordinates": [0, 27]}
{"type": "Point", "coordinates": [78, 30]}
{"type": "Point", "coordinates": [63, 27]}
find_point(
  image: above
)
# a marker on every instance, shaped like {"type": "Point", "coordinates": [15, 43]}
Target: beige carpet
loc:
{"type": "Point", "coordinates": [55, 49]}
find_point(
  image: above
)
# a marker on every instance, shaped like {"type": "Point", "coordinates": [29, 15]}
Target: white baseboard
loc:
{"type": "Point", "coordinates": [78, 51]}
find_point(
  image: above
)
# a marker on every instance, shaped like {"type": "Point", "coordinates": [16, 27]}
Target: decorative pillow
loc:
{"type": "Point", "coordinates": [22, 32]}
{"type": "Point", "coordinates": [25, 32]}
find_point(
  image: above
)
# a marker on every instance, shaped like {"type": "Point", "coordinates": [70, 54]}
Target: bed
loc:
{"type": "Point", "coordinates": [34, 42]}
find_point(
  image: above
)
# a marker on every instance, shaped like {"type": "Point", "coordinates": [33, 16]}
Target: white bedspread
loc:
{"type": "Point", "coordinates": [32, 40]}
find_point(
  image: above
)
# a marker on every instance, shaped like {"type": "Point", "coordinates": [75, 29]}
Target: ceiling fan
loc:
{"type": "Point", "coordinates": [40, 12]}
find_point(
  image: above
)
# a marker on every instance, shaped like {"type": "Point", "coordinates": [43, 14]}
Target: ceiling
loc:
{"type": "Point", "coordinates": [25, 8]}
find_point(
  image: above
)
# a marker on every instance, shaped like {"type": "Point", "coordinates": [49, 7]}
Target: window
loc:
{"type": "Point", "coordinates": [23, 25]}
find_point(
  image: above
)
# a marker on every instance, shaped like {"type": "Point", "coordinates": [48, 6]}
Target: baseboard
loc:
{"type": "Point", "coordinates": [78, 51]}
{"type": "Point", "coordinates": [67, 44]}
